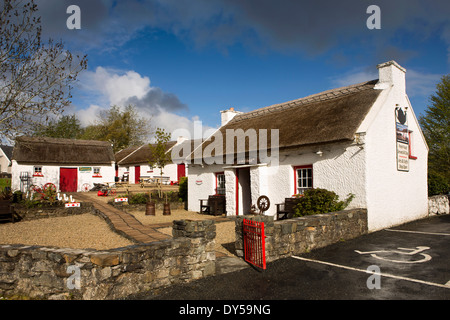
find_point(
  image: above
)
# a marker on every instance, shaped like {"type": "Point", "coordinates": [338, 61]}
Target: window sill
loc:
{"type": "Point", "coordinates": [96, 176]}
{"type": "Point", "coordinates": [38, 175]}
{"type": "Point", "coordinates": [413, 157]}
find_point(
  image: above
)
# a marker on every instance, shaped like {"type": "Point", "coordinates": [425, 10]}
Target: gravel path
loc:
{"type": "Point", "coordinates": [76, 232]}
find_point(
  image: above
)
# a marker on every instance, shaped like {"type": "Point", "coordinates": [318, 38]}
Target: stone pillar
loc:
{"type": "Point", "coordinates": [194, 229]}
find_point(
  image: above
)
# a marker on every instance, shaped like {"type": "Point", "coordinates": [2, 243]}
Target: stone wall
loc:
{"type": "Point", "coordinates": [289, 237]}
{"type": "Point", "coordinates": [59, 273]}
{"type": "Point", "coordinates": [27, 214]}
{"type": "Point", "coordinates": [438, 205]}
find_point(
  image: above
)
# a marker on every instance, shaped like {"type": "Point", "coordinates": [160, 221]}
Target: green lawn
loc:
{"type": "Point", "coordinates": [4, 183]}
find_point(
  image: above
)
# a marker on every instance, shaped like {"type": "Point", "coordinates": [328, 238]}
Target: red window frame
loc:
{"type": "Point", "coordinates": [410, 146]}
{"type": "Point", "coordinates": [216, 176]}
{"type": "Point", "coordinates": [296, 178]}
{"type": "Point", "coordinates": [37, 173]}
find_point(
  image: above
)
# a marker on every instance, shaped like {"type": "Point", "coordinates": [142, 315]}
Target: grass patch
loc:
{"type": "Point", "coordinates": [4, 182]}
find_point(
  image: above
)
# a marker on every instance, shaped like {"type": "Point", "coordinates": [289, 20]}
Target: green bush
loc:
{"type": "Point", "coordinates": [437, 184]}
{"type": "Point", "coordinates": [316, 201]}
{"type": "Point", "coordinates": [183, 188]}
{"type": "Point", "coordinates": [138, 198]}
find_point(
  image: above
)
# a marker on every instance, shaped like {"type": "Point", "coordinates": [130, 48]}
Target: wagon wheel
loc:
{"type": "Point", "coordinates": [50, 186]}
{"type": "Point", "coordinates": [37, 189]}
{"type": "Point", "coordinates": [86, 187]}
{"type": "Point", "coordinates": [263, 204]}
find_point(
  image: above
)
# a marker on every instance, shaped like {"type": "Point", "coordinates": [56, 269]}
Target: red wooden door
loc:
{"type": "Point", "coordinates": [68, 179]}
{"type": "Point", "coordinates": [181, 171]}
{"type": "Point", "coordinates": [137, 173]}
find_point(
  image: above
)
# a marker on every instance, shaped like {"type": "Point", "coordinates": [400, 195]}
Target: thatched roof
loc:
{"type": "Point", "coordinates": [330, 116]}
{"type": "Point", "coordinates": [39, 150]}
{"type": "Point", "coordinates": [138, 155]}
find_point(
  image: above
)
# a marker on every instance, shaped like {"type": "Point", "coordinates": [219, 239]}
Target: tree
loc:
{"type": "Point", "coordinates": [123, 128]}
{"type": "Point", "coordinates": [67, 127]}
{"type": "Point", "coordinates": [435, 125]}
{"type": "Point", "coordinates": [36, 77]}
{"type": "Point", "coordinates": [160, 156]}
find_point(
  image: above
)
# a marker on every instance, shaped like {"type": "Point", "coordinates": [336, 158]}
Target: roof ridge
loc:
{"type": "Point", "coordinates": [321, 96]}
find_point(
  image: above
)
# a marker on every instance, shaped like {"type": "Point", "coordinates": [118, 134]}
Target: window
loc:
{"type": "Point", "coordinates": [220, 183]}
{"type": "Point", "coordinates": [97, 172]}
{"type": "Point", "coordinates": [411, 141]}
{"type": "Point", "coordinates": [37, 171]}
{"type": "Point", "coordinates": [303, 178]}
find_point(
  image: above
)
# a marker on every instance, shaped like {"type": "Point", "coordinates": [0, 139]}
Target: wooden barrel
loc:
{"type": "Point", "coordinates": [166, 210]}
{"type": "Point", "coordinates": [150, 209]}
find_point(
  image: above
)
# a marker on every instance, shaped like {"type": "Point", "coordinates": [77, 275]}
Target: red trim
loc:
{"type": "Point", "coordinates": [37, 174]}
{"type": "Point", "coordinates": [409, 147]}
{"type": "Point", "coordinates": [295, 175]}
{"type": "Point", "coordinates": [237, 192]}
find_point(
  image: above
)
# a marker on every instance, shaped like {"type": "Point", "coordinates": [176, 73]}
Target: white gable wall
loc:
{"type": "Point", "coordinates": [393, 197]}
{"type": "Point", "coordinates": [4, 163]}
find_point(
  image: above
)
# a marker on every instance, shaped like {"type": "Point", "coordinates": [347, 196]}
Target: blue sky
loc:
{"type": "Point", "coordinates": [180, 61]}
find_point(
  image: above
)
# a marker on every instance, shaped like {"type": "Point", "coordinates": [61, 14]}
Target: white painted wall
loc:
{"type": "Point", "coordinates": [393, 197]}
{"type": "Point", "coordinates": [341, 168]}
{"type": "Point", "coordinates": [51, 174]}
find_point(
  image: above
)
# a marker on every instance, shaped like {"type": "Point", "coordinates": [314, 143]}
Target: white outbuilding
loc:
{"type": "Point", "coordinates": [362, 139]}
{"type": "Point", "coordinates": [70, 165]}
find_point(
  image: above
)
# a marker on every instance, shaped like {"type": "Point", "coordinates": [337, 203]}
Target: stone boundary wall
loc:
{"type": "Point", "coordinates": [28, 214]}
{"type": "Point", "coordinates": [438, 205]}
{"type": "Point", "coordinates": [52, 273]}
{"type": "Point", "coordinates": [289, 237]}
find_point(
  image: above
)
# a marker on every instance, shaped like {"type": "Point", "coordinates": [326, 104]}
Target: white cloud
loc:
{"type": "Point", "coordinates": [116, 86]}
{"type": "Point", "coordinates": [106, 86]}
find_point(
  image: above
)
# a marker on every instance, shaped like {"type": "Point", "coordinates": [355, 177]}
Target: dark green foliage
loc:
{"type": "Point", "coordinates": [315, 201]}
{"type": "Point", "coordinates": [143, 198]}
{"type": "Point", "coordinates": [183, 188]}
{"type": "Point", "coordinates": [437, 184]}
{"type": "Point", "coordinates": [435, 125]}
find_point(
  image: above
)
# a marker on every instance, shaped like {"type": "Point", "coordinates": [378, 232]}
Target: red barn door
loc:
{"type": "Point", "coordinates": [68, 179]}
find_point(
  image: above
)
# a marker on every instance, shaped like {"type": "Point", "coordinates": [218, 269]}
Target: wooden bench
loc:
{"type": "Point", "coordinates": [7, 211]}
{"type": "Point", "coordinates": [286, 210]}
{"type": "Point", "coordinates": [214, 205]}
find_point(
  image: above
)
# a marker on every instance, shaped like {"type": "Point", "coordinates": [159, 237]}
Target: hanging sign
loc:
{"type": "Point", "coordinates": [402, 137]}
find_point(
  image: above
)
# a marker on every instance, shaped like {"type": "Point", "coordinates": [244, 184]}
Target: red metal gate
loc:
{"type": "Point", "coordinates": [254, 243]}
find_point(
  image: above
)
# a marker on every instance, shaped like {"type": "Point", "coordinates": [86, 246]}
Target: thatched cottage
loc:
{"type": "Point", "coordinates": [71, 165]}
{"type": "Point", "coordinates": [362, 139]}
{"type": "Point", "coordinates": [133, 163]}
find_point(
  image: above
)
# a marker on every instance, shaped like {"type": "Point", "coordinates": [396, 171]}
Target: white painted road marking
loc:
{"type": "Point", "coordinates": [382, 274]}
{"type": "Point", "coordinates": [411, 252]}
{"type": "Point", "coordinates": [420, 232]}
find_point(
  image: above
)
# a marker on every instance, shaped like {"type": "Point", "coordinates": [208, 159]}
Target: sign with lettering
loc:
{"type": "Point", "coordinates": [402, 137]}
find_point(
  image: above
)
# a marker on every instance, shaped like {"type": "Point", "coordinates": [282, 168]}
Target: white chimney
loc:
{"type": "Point", "coordinates": [391, 74]}
{"type": "Point", "coordinates": [180, 139]}
{"type": "Point", "coordinates": [229, 114]}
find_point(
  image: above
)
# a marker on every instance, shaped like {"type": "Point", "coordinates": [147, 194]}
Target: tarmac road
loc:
{"type": "Point", "coordinates": [408, 262]}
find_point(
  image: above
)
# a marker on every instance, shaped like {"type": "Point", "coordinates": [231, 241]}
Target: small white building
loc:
{"type": "Point", "coordinates": [362, 139]}
{"type": "Point", "coordinates": [5, 159]}
{"type": "Point", "coordinates": [71, 165]}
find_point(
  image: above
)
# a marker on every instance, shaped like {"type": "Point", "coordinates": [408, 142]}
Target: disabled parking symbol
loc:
{"type": "Point", "coordinates": [401, 255]}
